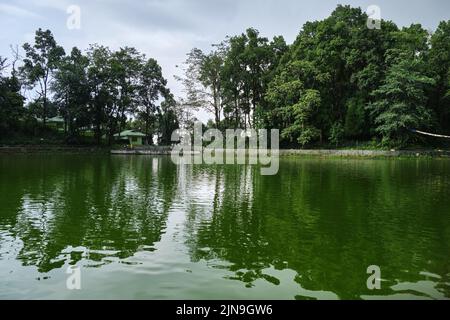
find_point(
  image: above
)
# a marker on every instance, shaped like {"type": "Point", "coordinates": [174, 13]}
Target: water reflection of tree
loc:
{"type": "Point", "coordinates": [64, 208]}
{"type": "Point", "coordinates": [328, 221]}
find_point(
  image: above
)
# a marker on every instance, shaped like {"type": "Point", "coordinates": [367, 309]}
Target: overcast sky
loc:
{"type": "Point", "coordinates": [167, 29]}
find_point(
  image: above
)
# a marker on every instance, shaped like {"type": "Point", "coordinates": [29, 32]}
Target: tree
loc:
{"type": "Point", "coordinates": [211, 70]}
{"type": "Point", "coordinates": [439, 66]}
{"type": "Point", "coordinates": [100, 86]}
{"type": "Point", "coordinates": [248, 69]}
{"type": "Point", "coordinates": [400, 103]}
{"type": "Point", "coordinates": [11, 101]}
{"type": "Point", "coordinates": [41, 61]}
{"type": "Point", "coordinates": [336, 133]}
{"type": "Point", "coordinates": [296, 102]}
{"type": "Point", "coordinates": [356, 123]}
{"type": "Point", "coordinates": [152, 87]}
{"type": "Point", "coordinates": [124, 77]}
{"type": "Point", "coordinates": [203, 80]}
{"type": "Point", "coordinates": [168, 121]}
{"type": "Point", "coordinates": [2, 65]}
{"type": "Point", "coordinates": [72, 91]}
{"type": "Point", "coordinates": [351, 61]}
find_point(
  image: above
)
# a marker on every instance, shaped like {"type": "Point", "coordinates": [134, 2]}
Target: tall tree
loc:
{"type": "Point", "coordinates": [295, 101]}
{"type": "Point", "coordinates": [152, 87]}
{"type": "Point", "coordinates": [72, 91]}
{"type": "Point", "coordinates": [203, 80]}
{"type": "Point", "coordinates": [351, 57]}
{"type": "Point", "coordinates": [211, 76]}
{"type": "Point", "coordinates": [400, 104]}
{"type": "Point", "coordinates": [11, 101]}
{"type": "Point", "coordinates": [125, 70]}
{"type": "Point", "coordinates": [248, 69]}
{"type": "Point", "coordinates": [168, 120]}
{"type": "Point", "coordinates": [99, 71]}
{"type": "Point", "coordinates": [439, 66]}
{"type": "Point", "coordinates": [40, 63]}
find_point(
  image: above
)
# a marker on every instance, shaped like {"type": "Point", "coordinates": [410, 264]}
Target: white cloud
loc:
{"type": "Point", "coordinates": [52, 4]}
{"type": "Point", "coordinates": [17, 11]}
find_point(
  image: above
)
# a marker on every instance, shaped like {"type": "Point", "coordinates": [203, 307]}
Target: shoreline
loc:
{"type": "Point", "coordinates": [52, 149]}
{"type": "Point", "coordinates": [155, 150]}
{"type": "Point", "coordinates": [344, 153]}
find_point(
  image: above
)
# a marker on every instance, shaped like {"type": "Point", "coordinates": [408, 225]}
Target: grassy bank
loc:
{"type": "Point", "coordinates": [53, 149]}
{"type": "Point", "coordinates": [309, 153]}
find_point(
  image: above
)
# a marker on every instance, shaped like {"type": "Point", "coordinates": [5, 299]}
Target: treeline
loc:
{"type": "Point", "coordinates": [339, 81]}
{"type": "Point", "coordinates": [101, 91]}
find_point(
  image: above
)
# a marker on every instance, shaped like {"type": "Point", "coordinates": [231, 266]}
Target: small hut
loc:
{"type": "Point", "coordinates": [131, 137]}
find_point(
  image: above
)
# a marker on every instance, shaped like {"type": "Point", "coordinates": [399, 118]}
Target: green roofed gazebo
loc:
{"type": "Point", "coordinates": [133, 138]}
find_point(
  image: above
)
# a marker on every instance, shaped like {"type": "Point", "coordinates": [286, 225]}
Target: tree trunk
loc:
{"type": "Point", "coordinates": [44, 111]}
{"type": "Point", "coordinates": [98, 123]}
{"type": "Point", "coordinates": [147, 125]}
{"type": "Point", "coordinates": [216, 109]}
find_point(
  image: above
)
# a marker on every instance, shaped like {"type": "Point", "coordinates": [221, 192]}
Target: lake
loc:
{"type": "Point", "coordinates": [141, 227]}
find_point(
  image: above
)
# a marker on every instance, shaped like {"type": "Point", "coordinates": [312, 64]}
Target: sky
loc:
{"type": "Point", "coordinates": [168, 29]}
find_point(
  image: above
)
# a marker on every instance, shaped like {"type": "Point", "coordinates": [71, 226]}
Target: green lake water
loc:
{"type": "Point", "coordinates": [141, 227]}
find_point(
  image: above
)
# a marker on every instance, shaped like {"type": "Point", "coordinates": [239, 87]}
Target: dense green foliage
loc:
{"type": "Point", "coordinates": [97, 94]}
{"type": "Point", "coordinates": [339, 82]}
{"type": "Point", "coordinates": [11, 101]}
